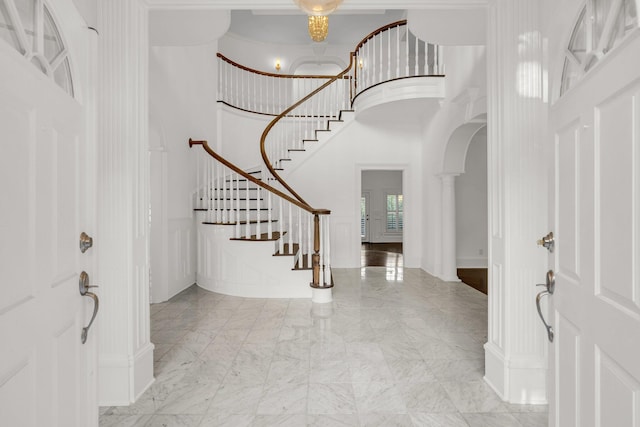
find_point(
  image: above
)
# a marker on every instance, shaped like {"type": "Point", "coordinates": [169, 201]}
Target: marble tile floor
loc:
{"type": "Point", "coordinates": [397, 347]}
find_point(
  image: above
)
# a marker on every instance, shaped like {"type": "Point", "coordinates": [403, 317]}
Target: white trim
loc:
{"type": "Point", "coordinates": [123, 379]}
{"type": "Point", "coordinates": [289, 5]}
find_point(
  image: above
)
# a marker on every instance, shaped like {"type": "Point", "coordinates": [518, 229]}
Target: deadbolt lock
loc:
{"type": "Point", "coordinates": [547, 241]}
{"type": "Point", "coordinates": [85, 242]}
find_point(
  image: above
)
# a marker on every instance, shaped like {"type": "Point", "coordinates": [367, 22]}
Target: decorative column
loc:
{"type": "Point", "coordinates": [516, 351]}
{"type": "Point", "coordinates": [126, 353]}
{"type": "Point", "coordinates": [449, 271]}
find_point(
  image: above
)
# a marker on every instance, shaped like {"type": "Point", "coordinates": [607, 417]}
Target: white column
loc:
{"type": "Point", "coordinates": [449, 268]}
{"type": "Point", "coordinates": [126, 354]}
{"type": "Point", "coordinates": [515, 354]}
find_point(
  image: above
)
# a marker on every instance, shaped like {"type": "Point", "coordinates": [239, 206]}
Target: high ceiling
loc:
{"type": "Point", "coordinates": [283, 27]}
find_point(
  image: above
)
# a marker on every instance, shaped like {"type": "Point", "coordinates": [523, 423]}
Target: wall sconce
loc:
{"type": "Point", "coordinates": [360, 63]}
{"type": "Point", "coordinates": [277, 64]}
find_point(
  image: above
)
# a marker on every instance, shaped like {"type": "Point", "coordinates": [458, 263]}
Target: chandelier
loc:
{"type": "Point", "coordinates": [318, 19]}
{"type": "Point", "coordinates": [318, 27]}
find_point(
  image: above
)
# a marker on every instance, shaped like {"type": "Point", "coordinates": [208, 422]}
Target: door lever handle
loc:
{"type": "Point", "coordinates": [96, 306]}
{"type": "Point", "coordinates": [84, 291]}
{"type": "Point", "coordinates": [548, 327]}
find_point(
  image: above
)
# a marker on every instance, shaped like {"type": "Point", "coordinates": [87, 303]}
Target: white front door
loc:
{"type": "Point", "coordinates": [47, 375]}
{"type": "Point", "coordinates": [595, 310]}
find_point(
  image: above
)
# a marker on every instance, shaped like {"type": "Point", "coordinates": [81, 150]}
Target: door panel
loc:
{"type": "Point", "coordinates": [596, 220]}
{"type": "Point", "coordinates": [43, 364]}
{"type": "Point", "coordinates": [569, 377]}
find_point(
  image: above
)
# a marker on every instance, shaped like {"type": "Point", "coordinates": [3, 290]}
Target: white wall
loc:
{"type": "Point", "coordinates": [239, 135]}
{"type": "Point", "coordinates": [182, 104]}
{"type": "Point", "coordinates": [262, 56]}
{"type": "Point", "coordinates": [332, 180]}
{"type": "Point", "coordinates": [465, 70]}
{"type": "Point", "coordinates": [379, 183]}
{"type": "Point", "coordinates": [471, 206]}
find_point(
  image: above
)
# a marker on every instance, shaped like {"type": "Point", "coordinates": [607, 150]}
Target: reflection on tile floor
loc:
{"type": "Point", "coordinates": [397, 347]}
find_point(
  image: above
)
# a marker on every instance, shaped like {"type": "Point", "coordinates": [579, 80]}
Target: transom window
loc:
{"type": "Point", "coordinates": [394, 213]}
{"type": "Point", "coordinates": [27, 25]}
{"type": "Point", "coordinates": [601, 26]}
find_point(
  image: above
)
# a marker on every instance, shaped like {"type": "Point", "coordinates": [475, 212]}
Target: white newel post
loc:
{"type": "Point", "coordinates": [126, 353]}
{"type": "Point", "coordinates": [449, 268]}
{"type": "Point", "coordinates": [515, 354]}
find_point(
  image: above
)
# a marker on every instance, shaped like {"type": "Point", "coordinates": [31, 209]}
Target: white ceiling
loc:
{"type": "Point", "coordinates": [290, 27]}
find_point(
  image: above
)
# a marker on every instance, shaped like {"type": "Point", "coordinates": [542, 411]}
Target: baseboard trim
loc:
{"type": "Point", "coordinates": [520, 380]}
{"type": "Point", "coordinates": [123, 379]}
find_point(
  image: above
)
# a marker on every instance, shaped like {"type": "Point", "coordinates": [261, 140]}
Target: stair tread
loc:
{"type": "Point", "coordinates": [262, 221]}
{"type": "Point", "coordinates": [264, 237]}
{"type": "Point", "coordinates": [303, 263]}
{"type": "Point", "coordinates": [287, 252]}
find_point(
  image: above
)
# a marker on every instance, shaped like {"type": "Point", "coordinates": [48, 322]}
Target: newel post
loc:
{"type": "Point", "coordinates": [315, 257]}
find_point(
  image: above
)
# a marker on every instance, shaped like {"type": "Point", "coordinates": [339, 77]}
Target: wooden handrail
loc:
{"type": "Point", "coordinates": [342, 74]}
{"type": "Point", "coordinates": [264, 73]}
{"type": "Point", "coordinates": [263, 138]}
{"type": "Point", "coordinates": [256, 181]}
{"type": "Point", "coordinates": [378, 31]}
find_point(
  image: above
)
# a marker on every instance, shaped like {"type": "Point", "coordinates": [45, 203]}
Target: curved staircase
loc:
{"type": "Point", "coordinates": [257, 237]}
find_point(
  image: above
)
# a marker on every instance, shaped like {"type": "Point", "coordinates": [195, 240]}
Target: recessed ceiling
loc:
{"type": "Point", "coordinates": [345, 28]}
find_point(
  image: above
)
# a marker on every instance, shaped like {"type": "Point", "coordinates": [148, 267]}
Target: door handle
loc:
{"type": "Point", "coordinates": [84, 291]}
{"type": "Point", "coordinates": [548, 327]}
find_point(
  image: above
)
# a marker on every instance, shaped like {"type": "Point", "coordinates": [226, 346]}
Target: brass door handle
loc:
{"type": "Point", "coordinates": [84, 291]}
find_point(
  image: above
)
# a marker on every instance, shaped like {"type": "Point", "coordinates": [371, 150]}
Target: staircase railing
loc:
{"type": "Point", "coordinates": [303, 106]}
{"type": "Point", "coordinates": [261, 92]}
{"type": "Point", "coordinates": [257, 211]}
{"type": "Point", "coordinates": [393, 52]}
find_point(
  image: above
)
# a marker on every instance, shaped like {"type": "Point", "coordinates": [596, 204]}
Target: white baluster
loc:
{"type": "Point", "coordinates": [309, 248]}
{"type": "Point", "coordinates": [269, 215]}
{"type": "Point", "coordinates": [247, 212]}
{"type": "Point", "coordinates": [259, 206]}
{"type": "Point", "coordinates": [238, 216]}
{"type": "Point", "coordinates": [212, 190]}
{"type": "Point", "coordinates": [407, 44]}
{"type": "Point", "coordinates": [326, 227]}
{"type": "Point", "coordinates": [280, 224]}
{"type": "Point", "coordinates": [381, 59]}
{"type": "Point", "coordinates": [290, 226]}
{"type": "Point", "coordinates": [416, 57]}
{"type": "Point", "coordinates": [389, 54]}
{"type": "Point", "coordinates": [299, 228]}
{"type": "Point", "coordinates": [398, 51]}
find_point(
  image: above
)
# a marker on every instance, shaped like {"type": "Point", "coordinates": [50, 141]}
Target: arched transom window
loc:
{"type": "Point", "coordinates": [28, 27]}
{"type": "Point", "coordinates": [602, 24]}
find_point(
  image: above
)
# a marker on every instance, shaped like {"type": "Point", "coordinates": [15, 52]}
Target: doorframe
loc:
{"type": "Point", "coordinates": [411, 201]}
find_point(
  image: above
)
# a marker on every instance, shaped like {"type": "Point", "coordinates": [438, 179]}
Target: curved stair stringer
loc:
{"type": "Point", "coordinates": [302, 157]}
{"type": "Point", "coordinates": [256, 241]}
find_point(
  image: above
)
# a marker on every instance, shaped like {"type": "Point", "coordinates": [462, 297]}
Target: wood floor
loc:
{"type": "Point", "coordinates": [390, 255]}
{"type": "Point", "coordinates": [381, 255]}
{"type": "Point", "coordinates": [474, 277]}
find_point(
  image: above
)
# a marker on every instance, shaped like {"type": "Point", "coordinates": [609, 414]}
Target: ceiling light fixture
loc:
{"type": "Point", "coordinates": [318, 7]}
{"type": "Point", "coordinates": [318, 27]}
{"type": "Point", "coordinates": [318, 19]}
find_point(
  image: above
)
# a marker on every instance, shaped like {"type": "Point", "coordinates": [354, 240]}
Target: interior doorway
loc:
{"type": "Point", "coordinates": [381, 218]}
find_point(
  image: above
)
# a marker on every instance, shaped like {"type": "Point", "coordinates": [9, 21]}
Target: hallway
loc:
{"type": "Point", "coordinates": [397, 347]}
